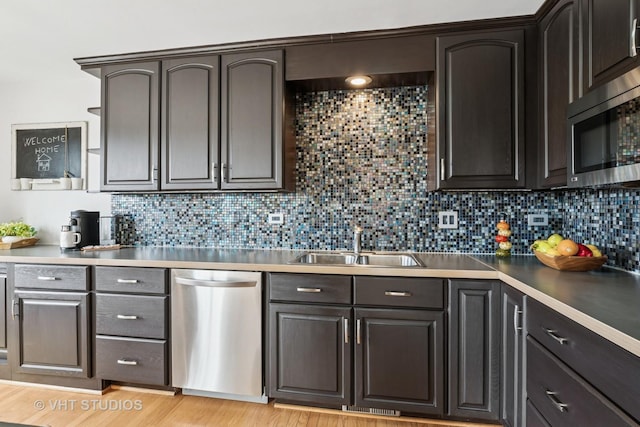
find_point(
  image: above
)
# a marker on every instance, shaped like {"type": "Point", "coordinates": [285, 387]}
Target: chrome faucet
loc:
{"type": "Point", "coordinates": [357, 239]}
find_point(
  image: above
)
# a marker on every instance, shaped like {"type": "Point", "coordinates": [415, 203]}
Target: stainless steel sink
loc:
{"type": "Point", "coordinates": [368, 259]}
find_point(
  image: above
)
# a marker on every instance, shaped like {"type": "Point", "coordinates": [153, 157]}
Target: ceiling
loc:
{"type": "Point", "coordinates": [40, 38]}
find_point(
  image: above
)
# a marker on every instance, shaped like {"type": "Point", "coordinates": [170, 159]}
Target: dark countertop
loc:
{"type": "Point", "coordinates": [600, 299]}
{"type": "Point", "coordinates": [606, 301]}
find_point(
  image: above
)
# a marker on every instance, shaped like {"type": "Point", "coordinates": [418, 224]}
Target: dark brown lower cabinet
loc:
{"type": "Point", "coordinates": [5, 372]}
{"type": "Point", "coordinates": [474, 349]}
{"type": "Point", "coordinates": [310, 354]}
{"type": "Point", "coordinates": [512, 389]}
{"type": "Point", "coordinates": [399, 360]}
{"type": "Point", "coordinates": [51, 333]}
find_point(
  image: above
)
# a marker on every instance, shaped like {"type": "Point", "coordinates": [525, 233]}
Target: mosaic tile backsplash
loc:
{"type": "Point", "coordinates": [361, 159]}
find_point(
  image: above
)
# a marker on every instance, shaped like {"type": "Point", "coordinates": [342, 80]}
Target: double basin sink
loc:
{"type": "Point", "coordinates": [365, 259]}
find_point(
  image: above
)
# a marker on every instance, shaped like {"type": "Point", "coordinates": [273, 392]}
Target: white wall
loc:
{"type": "Point", "coordinates": [44, 101]}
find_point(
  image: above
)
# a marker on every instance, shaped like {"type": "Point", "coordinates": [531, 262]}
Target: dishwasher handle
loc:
{"type": "Point", "coordinates": [216, 283]}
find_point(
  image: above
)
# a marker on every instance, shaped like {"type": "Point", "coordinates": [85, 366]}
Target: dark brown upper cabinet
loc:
{"type": "Point", "coordinates": [190, 123]}
{"type": "Point", "coordinates": [609, 29]}
{"type": "Point", "coordinates": [558, 42]}
{"type": "Point", "coordinates": [253, 145]}
{"type": "Point", "coordinates": [130, 127]}
{"type": "Point", "coordinates": [479, 101]}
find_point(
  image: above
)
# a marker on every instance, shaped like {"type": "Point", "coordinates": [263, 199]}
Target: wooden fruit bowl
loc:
{"type": "Point", "coordinates": [571, 263]}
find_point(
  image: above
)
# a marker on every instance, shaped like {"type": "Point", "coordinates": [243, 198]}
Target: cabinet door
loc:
{"type": "Point", "coordinates": [190, 135]}
{"type": "Point", "coordinates": [474, 349]}
{"type": "Point", "coordinates": [51, 334]}
{"type": "Point", "coordinates": [480, 111]}
{"type": "Point", "coordinates": [252, 120]}
{"type": "Point", "coordinates": [399, 360]}
{"type": "Point", "coordinates": [609, 30]}
{"type": "Point", "coordinates": [310, 354]}
{"type": "Point", "coordinates": [5, 372]}
{"type": "Point", "coordinates": [559, 40]}
{"type": "Point", "coordinates": [3, 317]}
{"type": "Point", "coordinates": [512, 387]}
{"type": "Point", "coordinates": [130, 121]}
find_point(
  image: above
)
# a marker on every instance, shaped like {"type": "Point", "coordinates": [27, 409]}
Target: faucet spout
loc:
{"type": "Point", "coordinates": [357, 239]}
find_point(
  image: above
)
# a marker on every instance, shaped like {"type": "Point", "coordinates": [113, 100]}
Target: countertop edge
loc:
{"type": "Point", "coordinates": [607, 332]}
{"type": "Point", "coordinates": [489, 272]}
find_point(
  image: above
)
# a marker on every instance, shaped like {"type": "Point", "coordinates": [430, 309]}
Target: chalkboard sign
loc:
{"type": "Point", "coordinates": [49, 150]}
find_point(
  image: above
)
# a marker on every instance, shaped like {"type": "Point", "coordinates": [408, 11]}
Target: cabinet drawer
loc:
{"type": "Point", "coordinates": [599, 361]}
{"type": "Point", "coordinates": [400, 292]}
{"type": "Point", "coordinates": [564, 398]}
{"type": "Point", "coordinates": [63, 277]}
{"type": "Point", "coordinates": [132, 360]}
{"type": "Point", "coordinates": [131, 315]}
{"type": "Point", "coordinates": [132, 280]}
{"type": "Point", "coordinates": [310, 288]}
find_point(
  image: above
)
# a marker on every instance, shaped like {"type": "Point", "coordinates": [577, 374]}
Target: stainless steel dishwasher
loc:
{"type": "Point", "coordinates": [216, 334]}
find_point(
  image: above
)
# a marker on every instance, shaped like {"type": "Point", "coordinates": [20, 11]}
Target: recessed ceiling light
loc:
{"type": "Point", "coordinates": [358, 80]}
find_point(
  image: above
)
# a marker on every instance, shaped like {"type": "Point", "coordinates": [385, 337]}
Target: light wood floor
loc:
{"type": "Point", "coordinates": [43, 407]}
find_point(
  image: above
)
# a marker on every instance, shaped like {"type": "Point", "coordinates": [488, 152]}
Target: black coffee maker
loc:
{"type": "Point", "coordinates": [87, 223]}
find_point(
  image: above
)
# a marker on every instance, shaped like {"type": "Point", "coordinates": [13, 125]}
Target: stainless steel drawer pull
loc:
{"type": "Point", "coordinates": [14, 304]}
{"type": "Point", "coordinates": [129, 281]}
{"type": "Point", "coordinates": [397, 293]}
{"type": "Point", "coordinates": [553, 334]}
{"type": "Point", "coordinates": [309, 290]}
{"type": "Point", "coordinates": [633, 52]}
{"type": "Point", "coordinates": [127, 362]}
{"type": "Point", "coordinates": [516, 319]}
{"type": "Point", "coordinates": [346, 331]}
{"type": "Point", "coordinates": [126, 317]}
{"type": "Point", "coordinates": [47, 278]}
{"type": "Point", "coordinates": [552, 395]}
{"type": "Point", "coordinates": [358, 332]}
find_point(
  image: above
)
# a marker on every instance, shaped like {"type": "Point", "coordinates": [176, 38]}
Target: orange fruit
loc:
{"type": "Point", "coordinates": [567, 247]}
{"type": "Point", "coordinates": [502, 225]}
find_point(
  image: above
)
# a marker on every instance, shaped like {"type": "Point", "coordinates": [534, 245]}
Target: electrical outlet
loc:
{"type": "Point", "coordinates": [535, 220]}
{"type": "Point", "coordinates": [448, 219]}
{"type": "Point", "coordinates": [276, 218]}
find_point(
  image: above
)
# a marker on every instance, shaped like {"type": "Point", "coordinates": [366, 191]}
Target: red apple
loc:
{"type": "Point", "coordinates": [584, 251]}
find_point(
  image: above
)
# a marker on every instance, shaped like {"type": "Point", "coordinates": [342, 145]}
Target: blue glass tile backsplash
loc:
{"type": "Point", "coordinates": [361, 159]}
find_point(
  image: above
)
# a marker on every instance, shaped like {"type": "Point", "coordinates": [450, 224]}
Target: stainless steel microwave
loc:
{"type": "Point", "coordinates": [604, 134]}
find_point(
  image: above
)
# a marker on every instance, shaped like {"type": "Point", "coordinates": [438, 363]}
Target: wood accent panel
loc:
{"type": "Point", "coordinates": [379, 56]}
{"type": "Point", "coordinates": [17, 405]}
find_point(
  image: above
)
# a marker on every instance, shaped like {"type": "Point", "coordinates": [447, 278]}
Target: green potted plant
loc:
{"type": "Point", "coordinates": [14, 231]}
